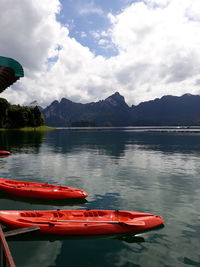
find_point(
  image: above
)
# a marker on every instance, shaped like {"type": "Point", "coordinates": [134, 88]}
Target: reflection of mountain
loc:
{"type": "Point", "coordinates": [111, 143]}
{"type": "Point", "coordinates": [104, 141]}
{"type": "Point", "coordinates": [167, 142]}
{"type": "Point", "coordinates": [154, 172]}
{"type": "Point", "coordinates": [114, 143]}
{"type": "Point", "coordinates": [21, 141]}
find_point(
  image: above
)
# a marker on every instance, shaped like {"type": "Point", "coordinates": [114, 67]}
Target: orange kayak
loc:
{"type": "Point", "coordinates": [81, 222]}
{"type": "Point", "coordinates": [4, 153]}
{"type": "Point", "coordinates": [40, 190]}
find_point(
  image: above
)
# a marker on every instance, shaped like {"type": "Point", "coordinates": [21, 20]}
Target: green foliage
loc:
{"type": "Point", "coordinates": [42, 128]}
{"type": "Point", "coordinates": [4, 106]}
{"type": "Point", "coordinates": [16, 116]}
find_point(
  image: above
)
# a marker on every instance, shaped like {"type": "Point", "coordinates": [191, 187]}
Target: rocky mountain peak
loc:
{"type": "Point", "coordinates": [116, 99]}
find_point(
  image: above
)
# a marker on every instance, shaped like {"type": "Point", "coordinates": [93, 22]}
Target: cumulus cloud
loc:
{"type": "Point", "coordinates": [83, 34]}
{"type": "Point", "coordinates": [157, 42]}
{"type": "Point", "coordinates": [90, 8]}
{"type": "Point", "coordinates": [162, 37]}
{"type": "Point", "coordinates": [29, 31]}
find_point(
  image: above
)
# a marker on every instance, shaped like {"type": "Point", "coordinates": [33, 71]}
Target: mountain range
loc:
{"type": "Point", "coordinates": [114, 111]}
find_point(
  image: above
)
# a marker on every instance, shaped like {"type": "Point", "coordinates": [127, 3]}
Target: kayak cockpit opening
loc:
{"type": "Point", "coordinates": [58, 214]}
{"type": "Point", "coordinates": [95, 213]}
{"type": "Point", "coordinates": [31, 214]}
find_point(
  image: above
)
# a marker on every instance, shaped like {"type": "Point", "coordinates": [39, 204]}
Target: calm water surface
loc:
{"type": "Point", "coordinates": [142, 171]}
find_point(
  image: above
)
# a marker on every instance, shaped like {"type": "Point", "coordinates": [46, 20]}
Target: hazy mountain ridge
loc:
{"type": "Point", "coordinates": [113, 111]}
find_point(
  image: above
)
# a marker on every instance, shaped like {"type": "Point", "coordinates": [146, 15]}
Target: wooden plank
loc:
{"type": "Point", "coordinates": [22, 231]}
{"type": "Point", "coordinates": [7, 259]}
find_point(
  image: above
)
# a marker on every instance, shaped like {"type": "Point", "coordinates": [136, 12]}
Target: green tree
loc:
{"type": "Point", "coordinates": [38, 118]}
{"type": "Point", "coordinates": [4, 105]}
{"type": "Point", "coordinates": [16, 116]}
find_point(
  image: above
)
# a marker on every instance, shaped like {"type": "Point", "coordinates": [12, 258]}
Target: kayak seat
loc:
{"type": "Point", "coordinates": [31, 214]}
{"type": "Point", "coordinates": [77, 214]}
{"type": "Point", "coordinates": [11, 182]}
{"type": "Point", "coordinates": [97, 213]}
{"type": "Point", "coordinates": [58, 214]}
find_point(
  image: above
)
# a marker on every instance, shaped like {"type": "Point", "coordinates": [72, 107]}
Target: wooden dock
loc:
{"type": "Point", "coordinates": [6, 259]}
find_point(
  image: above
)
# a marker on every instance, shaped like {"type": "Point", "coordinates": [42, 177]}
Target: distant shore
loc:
{"type": "Point", "coordinates": [150, 129]}
{"type": "Point", "coordinates": [39, 128]}
{"type": "Point", "coordinates": [164, 129]}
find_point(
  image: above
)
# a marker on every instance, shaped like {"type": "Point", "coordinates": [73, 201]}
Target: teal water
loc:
{"type": "Point", "coordinates": [154, 172]}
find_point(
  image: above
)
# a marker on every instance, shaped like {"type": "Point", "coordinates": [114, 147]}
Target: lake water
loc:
{"type": "Point", "coordinates": [156, 172]}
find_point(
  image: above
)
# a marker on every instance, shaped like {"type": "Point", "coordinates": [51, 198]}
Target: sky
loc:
{"type": "Point", "coordinates": [86, 50]}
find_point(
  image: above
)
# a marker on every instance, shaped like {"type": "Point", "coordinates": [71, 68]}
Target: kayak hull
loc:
{"type": "Point", "coordinates": [40, 190]}
{"type": "Point", "coordinates": [82, 222]}
{"type": "Point", "coordinates": [4, 153]}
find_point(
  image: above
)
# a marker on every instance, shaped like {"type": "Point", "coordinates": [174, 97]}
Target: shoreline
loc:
{"type": "Point", "coordinates": [38, 128]}
{"type": "Point", "coordinates": [146, 129]}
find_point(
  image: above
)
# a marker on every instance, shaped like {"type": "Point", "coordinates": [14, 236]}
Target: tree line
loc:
{"type": "Point", "coordinates": [16, 116]}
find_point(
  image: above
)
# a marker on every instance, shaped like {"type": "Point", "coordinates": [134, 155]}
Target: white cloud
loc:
{"type": "Point", "coordinates": [158, 48]}
{"type": "Point", "coordinates": [89, 8]}
{"type": "Point", "coordinates": [29, 31]}
{"type": "Point", "coordinates": [158, 52]}
{"type": "Point", "coordinates": [96, 34]}
{"type": "Point", "coordinates": [83, 34]}
{"type": "Point", "coordinates": [157, 3]}
{"type": "Point", "coordinates": [103, 42]}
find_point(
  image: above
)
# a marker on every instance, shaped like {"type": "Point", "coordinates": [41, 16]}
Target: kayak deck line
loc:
{"type": "Point", "coordinates": [135, 223]}
{"type": "Point", "coordinates": [41, 187]}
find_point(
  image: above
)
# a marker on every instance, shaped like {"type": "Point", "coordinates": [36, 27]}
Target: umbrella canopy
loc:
{"type": "Point", "coordinates": [10, 72]}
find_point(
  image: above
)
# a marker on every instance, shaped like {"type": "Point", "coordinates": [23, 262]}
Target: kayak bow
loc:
{"type": "Point", "coordinates": [40, 190]}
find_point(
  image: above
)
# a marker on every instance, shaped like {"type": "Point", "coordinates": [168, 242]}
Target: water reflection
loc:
{"type": "Point", "coordinates": [104, 142]}
{"type": "Point", "coordinates": [129, 238]}
{"type": "Point", "coordinates": [88, 248]}
{"type": "Point", "coordinates": [150, 172]}
{"type": "Point", "coordinates": [49, 202]}
{"type": "Point", "coordinates": [108, 200]}
{"type": "Point", "coordinates": [35, 254]}
{"type": "Point", "coordinates": [66, 141]}
{"type": "Point", "coordinates": [21, 141]}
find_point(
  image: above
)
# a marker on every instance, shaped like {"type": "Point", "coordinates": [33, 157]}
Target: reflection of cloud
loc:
{"type": "Point", "coordinates": [157, 173]}
{"type": "Point", "coordinates": [36, 253]}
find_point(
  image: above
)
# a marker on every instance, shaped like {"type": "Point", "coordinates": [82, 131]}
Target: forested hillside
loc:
{"type": "Point", "coordinates": [16, 116]}
{"type": "Point", "coordinates": [113, 111]}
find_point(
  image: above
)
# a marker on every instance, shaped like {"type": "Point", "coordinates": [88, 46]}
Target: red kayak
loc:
{"type": "Point", "coordinates": [4, 153]}
{"type": "Point", "coordinates": [81, 222]}
{"type": "Point", "coordinates": [40, 190]}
